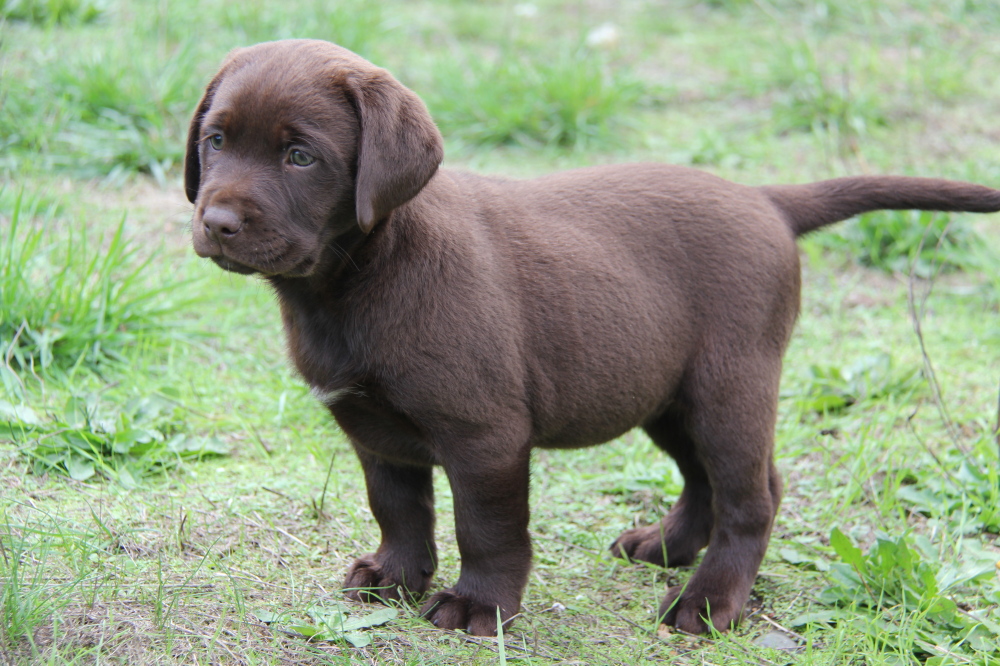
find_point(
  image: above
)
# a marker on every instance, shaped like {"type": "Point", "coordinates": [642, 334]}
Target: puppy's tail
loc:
{"type": "Point", "coordinates": [809, 207]}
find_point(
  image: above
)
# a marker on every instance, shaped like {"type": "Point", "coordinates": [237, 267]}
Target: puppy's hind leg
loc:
{"type": "Point", "coordinates": [732, 418]}
{"type": "Point", "coordinates": [685, 530]}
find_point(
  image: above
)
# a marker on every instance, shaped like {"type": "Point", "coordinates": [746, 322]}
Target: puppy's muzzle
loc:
{"type": "Point", "coordinates": [220, 224]}
{"type": "Point", "coordinates": [218, 227]}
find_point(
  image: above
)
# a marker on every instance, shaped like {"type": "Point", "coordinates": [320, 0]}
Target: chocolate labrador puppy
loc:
{"type": "Point", "coordinates": [455, 320]}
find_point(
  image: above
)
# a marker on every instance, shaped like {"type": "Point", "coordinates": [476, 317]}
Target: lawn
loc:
{"type": "Point", "coordinates": [171, 493]}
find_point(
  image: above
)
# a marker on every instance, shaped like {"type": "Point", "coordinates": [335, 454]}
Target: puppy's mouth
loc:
{"type": "Point", "coordinates": [271, 268]}
{"type": "Point", "coordinates": [228, 264]}
{"type": "Point", "coordinates": [231, 256]}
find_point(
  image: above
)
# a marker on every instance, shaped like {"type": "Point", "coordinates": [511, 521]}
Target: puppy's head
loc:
{"type": "Point", "coordinates": [293, 144]}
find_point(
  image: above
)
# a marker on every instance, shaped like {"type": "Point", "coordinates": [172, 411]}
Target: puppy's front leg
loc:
{"type": "Point", "coordinates": [491, 520]}
{"type": "Point", "coordinates": [402, 499]}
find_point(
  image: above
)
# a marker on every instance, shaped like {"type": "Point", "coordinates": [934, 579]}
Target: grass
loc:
{"type": "Point", "coordinates": [125, 444]}
{"type": "Point", "coordinates": [923, 243]}
{"type": "Point", "coordinates": [49, 12]}
{"type": "Point", "coordinates": [573, 100]}
{"type": "Point", "coordinates": [170, 493]}
{"type": "Point", "coordinates": [905, 585]}
{"type": "Point", "coordinates": [71, 298]}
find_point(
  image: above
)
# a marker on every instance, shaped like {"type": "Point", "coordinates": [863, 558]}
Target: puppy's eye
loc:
{"type": "Point", "coordinates": [215, 141]}
{"type": "Point", "coordinates": [299, 158]}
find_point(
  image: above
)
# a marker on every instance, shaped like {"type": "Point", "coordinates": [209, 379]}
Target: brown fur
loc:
{"type": "Point", "coordinates": [454, 320]}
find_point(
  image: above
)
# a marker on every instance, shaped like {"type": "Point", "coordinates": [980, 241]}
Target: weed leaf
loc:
{"type": "Point", "coordinates": [78, 467]}
{"type": "Point", "coordinates": [26, 416]}
{"type": "Point", "coordinates": [120, 443]}
{"type": "Point", "coordinates": [357, 638]}
{"type": "Point", "coordinates": [373, 619]}
{"type": "Point", "coordinates": [848, 552]}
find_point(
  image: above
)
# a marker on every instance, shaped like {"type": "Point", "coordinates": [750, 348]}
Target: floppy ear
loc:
{"type": "Point", "coordinates": [400, 147]}
{"type": "Point", "coordinates": [192, 160]}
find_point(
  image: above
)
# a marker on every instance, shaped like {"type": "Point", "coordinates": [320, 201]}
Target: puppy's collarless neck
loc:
{"type": "Point", "coordinates": [348, 257]}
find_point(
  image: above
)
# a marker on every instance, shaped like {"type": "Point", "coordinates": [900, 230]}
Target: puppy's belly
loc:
{"type": "Point", "coordinates": [592, 412]}
{"type": "Point", "coordinates": [582, 435]}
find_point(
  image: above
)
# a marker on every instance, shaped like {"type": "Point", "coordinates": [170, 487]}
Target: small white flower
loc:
{"type": "Point", "coordinates": [526, 10]}
{"type": "Point", "coordinates": [604, 36]}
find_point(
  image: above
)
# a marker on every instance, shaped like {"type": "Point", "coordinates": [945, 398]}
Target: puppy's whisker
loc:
{"type": "Point", "coordinates": [343, 254]}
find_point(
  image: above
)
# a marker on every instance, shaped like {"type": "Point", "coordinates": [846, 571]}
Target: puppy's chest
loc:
{"type": "Point", "coordinates": [321, 352]}
{"type": "Point", "coordinates": [339, 379]}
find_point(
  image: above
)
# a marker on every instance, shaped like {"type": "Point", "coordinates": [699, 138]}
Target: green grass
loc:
{"type": "Point", "coordinates": [71, 298]}
{"type": "Point", "coordinates": [574, 100]}
{"type": "Point", "coordinates": [49, 12]}
{"type": "Point", "coordinates": [909, 591]}
{"type": "Point", "coordinates": [832, 387]}
{"type": "Point", "coordinates": [920, 242]}
{"type": "Point", "coordinates": [129, 364]}
{"type": "Point", "coordinates": [125, 444]}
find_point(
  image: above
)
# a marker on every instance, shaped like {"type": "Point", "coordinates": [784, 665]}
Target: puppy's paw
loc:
{"type": "Point", "coordinates": [367, 581]}
{"type": "Point", "coordinates": [450, 610]}
{"type": "Point", "coordinates": [640, 544]}
{"type": "Point", "coordinates": [650, 544]}
{"type": "Point", "coordinates": [689, 611]}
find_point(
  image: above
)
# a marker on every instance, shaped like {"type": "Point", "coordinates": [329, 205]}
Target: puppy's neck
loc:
{"type": "Point", "coordinates": [353, 257]}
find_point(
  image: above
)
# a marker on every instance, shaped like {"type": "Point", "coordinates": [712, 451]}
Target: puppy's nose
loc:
{"type": "Point", "coordinates": [220, 223]}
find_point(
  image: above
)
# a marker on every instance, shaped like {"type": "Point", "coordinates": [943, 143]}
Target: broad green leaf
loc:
{"type": "Point", "coordinates": [79, 468]}
{"type": "Point", "coordinates": [306, 630]}
{"type": "Point", "coordinates": [848, 551]}
{"type": "Point", "coordinates": [125, 477]}
{"type": "Point", "coordinates": [816, 617]}
{"type": "Point", "coordinates": [267, 616]}
{"type": "Point", "coordinates": [373, 619]}
{"type": "Point", "coordinates": [19, 413]}
{"type": "Point", "coordinates": [333, 618]}
{"type": "Point", "coordinates": [77, 411]}
{"type": "Point", "coordinates": [192, 446]}
{"type": "Point", "coordinates": [824, 403]}
{"type": "Point", "coordinates": [798, 558]}
{"type": "Point", "coordinates": [924, 500]}
{"type": "Point", "coordinates": [358, 639]}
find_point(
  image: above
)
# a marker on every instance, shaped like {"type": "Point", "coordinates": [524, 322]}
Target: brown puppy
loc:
{"type": "Point", "coordinates": [454, 320]}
